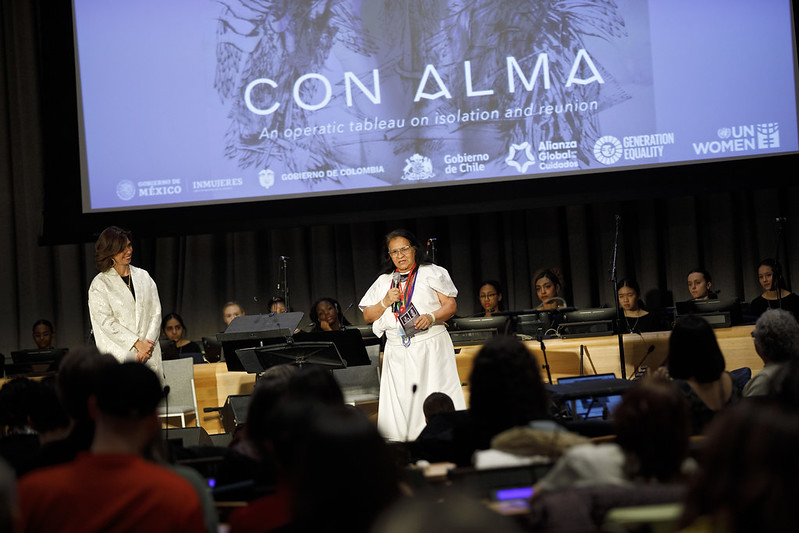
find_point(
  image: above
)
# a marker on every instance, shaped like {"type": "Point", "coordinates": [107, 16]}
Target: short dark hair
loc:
{"type": "Point", "coordinates": [129, 390]}
{"type": "Point", "coordinates": [437, 402]}
{"type": "Point", "coordinates": [77, 379]}
{"type": "Point", "coordinates": [694, 351]}
{"type": "Point", "coordinates": [43, 322]}
{"type": "Point", "coordinates": [505, 387]}
{"type": "Point", "coordinates": [705, 274]}
{"type": "Point", "coordinates": [111, 241]}
{"type": "Point", "coordinates": [653, 425]}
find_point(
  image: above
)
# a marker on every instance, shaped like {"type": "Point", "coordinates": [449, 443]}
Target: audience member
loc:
{"type": "Point", "coordinates": [326, 315]}
{"type": "Point", "coordinates": [636, 318]}
{"type": "Point", "coordinates": [8, 498]}
{"type": "Point", "coordinates": [699, 283]}
{"type": "Point", "coordinates": [77, 380]}
{"type": "Point", "coordinates": [46, 413]}
{"type": "Point", "coordinates": [747, 477]}
{"type": "Point", "coordinates": [113, 488]}
{"type": "Point", "coordinates": [490, 294]}
{"type": "Point", "coordinates": [339, 468]}
{"type": "Point", "coordinates": [771, 299]}
{"type": "Point", "coordinates": [43, 334]}
{"type": "Point", "coordinates": [652, 428]}
{"type": "Point", "coordinates": [776, 336]}
{"type": "Point", "coordinates": [19, 442]}
{"type": "Point", "coordinates": [230, 311]}
{"type": "Point", "coordinates": [175, 330]}
{"type": "Point", "coordinates": [695, 361]}
{"type": "Point", "coordinates": [436, 402]}
{"type": "Point", "coordinates": [548, 284]}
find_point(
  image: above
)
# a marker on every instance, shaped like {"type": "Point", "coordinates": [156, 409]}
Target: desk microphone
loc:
{"type": "Point", "coordinates": [643, 359]}
{"type": "Point", "coordinates": [410, 412]}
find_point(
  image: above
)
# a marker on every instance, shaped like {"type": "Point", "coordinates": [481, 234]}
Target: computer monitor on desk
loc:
{"type": "Point", "coordinates": [592, 322]}
{"type": "Point", "coordinates": [477, 329]}
{"type": "Point", "coordinates": [35, 362]}
{"type": "Point", "coordinates": [719, 313]}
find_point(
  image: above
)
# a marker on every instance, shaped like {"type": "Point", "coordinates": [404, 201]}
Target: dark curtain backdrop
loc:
{"type": "Point", "coordinates": [662, 237]}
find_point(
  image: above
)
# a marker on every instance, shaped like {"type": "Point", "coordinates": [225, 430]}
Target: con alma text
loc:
{"type": "Point", "coordinates": [431, 85]}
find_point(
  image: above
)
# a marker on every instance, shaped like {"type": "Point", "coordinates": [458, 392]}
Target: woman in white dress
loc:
{"type": "Point", "coordinates": [123, 303]}
{"type": "Point", "coordinates": [418, 359]}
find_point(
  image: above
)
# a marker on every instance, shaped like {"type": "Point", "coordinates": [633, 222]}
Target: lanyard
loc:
{"type": "Point", "coordinates": [407, 293]}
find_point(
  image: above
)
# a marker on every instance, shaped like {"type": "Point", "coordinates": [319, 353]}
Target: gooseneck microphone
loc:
{"type": "Point", "coordinates": [410, 412]}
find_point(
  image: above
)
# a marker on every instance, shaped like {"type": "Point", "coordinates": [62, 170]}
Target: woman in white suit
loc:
{"type": "Point", "coordinates": [123, 303]}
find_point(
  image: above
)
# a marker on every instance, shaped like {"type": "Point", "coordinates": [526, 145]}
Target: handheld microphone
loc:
{"type": "Point", "coordinates": [395, 282]}
{"type": "Point", "coordinates": [410, 412]}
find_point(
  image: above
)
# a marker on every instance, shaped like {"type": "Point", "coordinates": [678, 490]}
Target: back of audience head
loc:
{"type": "Point", "coordinates": [694, 351]}
{"type": "Point", "coordinates": [314, 383]}
{"type": "Point", "coordinates": [128, 391]}
{"type": "Point", "coordinates": [47, 416]}
{"type": "Point", "coordinates": [230, 311]}
{"type": "Point", "coordinates": [270, 389]}
{"type": "Point", "coordinates": [653, 427]}
{"type": "Point", "coordinates": [334, 458]}
{"type": "Point", "coordinates": [15, 400]}
{"type": "Point", "coordinates": [747, 477]}
{"type": "Point", "coordinates": [505, 386]}
{"type": "Point", "coordinates": [43, 334]}
{"type": "Point", "coordinates": [78, 376]}
{"type": "Point", "coordinates": [776, 336]}
{"type": "Point", "coordinates": [699, 283]}
{"type": "Point", "coordinates": [436, 402]}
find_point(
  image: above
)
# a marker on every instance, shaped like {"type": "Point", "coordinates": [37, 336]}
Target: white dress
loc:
{"type": "Point", "coordinates": [118, 320]}
{"type": "Point", "coordinates": [428, 362]}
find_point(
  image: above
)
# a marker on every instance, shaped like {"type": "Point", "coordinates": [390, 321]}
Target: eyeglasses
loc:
{"type": "Point", "coordinates": [399, 251]}
{"type": "Point", "coordinates": [487, 296]}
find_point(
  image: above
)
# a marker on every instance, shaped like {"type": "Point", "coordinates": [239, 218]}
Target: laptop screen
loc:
{"type": "Point", "coordinates": [592, 407]}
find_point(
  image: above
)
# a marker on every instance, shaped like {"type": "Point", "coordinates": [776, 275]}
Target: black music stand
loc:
{"type": "Point", "coordinates": [251, 331]}
{"type": "Point", "coordinates": [256, 360]}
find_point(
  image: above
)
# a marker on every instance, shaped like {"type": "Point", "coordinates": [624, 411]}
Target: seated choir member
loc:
{"type": "Point", "coordinates": [490, 294]}
{"type": "Point", "coordinates": [43, 334]}
{"type": "Point", "coordinates": [699, 283]}
{"type": "Point", "coordinates": [175, 330]}
{"type": "Point", "coordinates": [326, 315]}
{"type": "Point", "coordinates": [776, 337]}
{"type": "Point", "coordinates": [277, 305]}
{"type": "Point", "coordinates": [548, 284]}
{"type": "Point", "coordinates": [230, 311]}
{"type": "Point", "coordinates": [636, 318]}
{"type": "Point", "coordinates": [696, 363]}
{"type": "Point", "coordinates": [769, 299]}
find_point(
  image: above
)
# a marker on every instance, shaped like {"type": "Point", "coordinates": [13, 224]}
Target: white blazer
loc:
{"type": "Point", "coordinates": [118, 320]}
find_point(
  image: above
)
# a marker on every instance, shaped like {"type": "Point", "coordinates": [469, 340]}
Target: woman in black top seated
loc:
{"type": "Point", "coordinates": [770, 283]}
{"type": "Point", "coordinates": [490, 294]}
{"type": "Point", "coordinates": [326, 315]}
{"type": "Point", "coordinates": [636, 318]}
{"type": "Point", "coordinates": [175, 330]}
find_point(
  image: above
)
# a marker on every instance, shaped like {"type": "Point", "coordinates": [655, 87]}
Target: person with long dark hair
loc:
{"type": "Point", "coordinates": [409, 302]}
{"type": "Point", "coordinates": [695, 361]}
{"type": "Point", "coordinates": [636, 318]}
{"type": "Point", "coordinates": [548, 283]}
{"type": "Point", "coordinates": [123, 303]}
{"type": "Point", "coordinates": [770, 278]}
{"type": "Point", "coordinates": [175, 330]}
{"type": "Point", "coordinates": [326, 315]}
